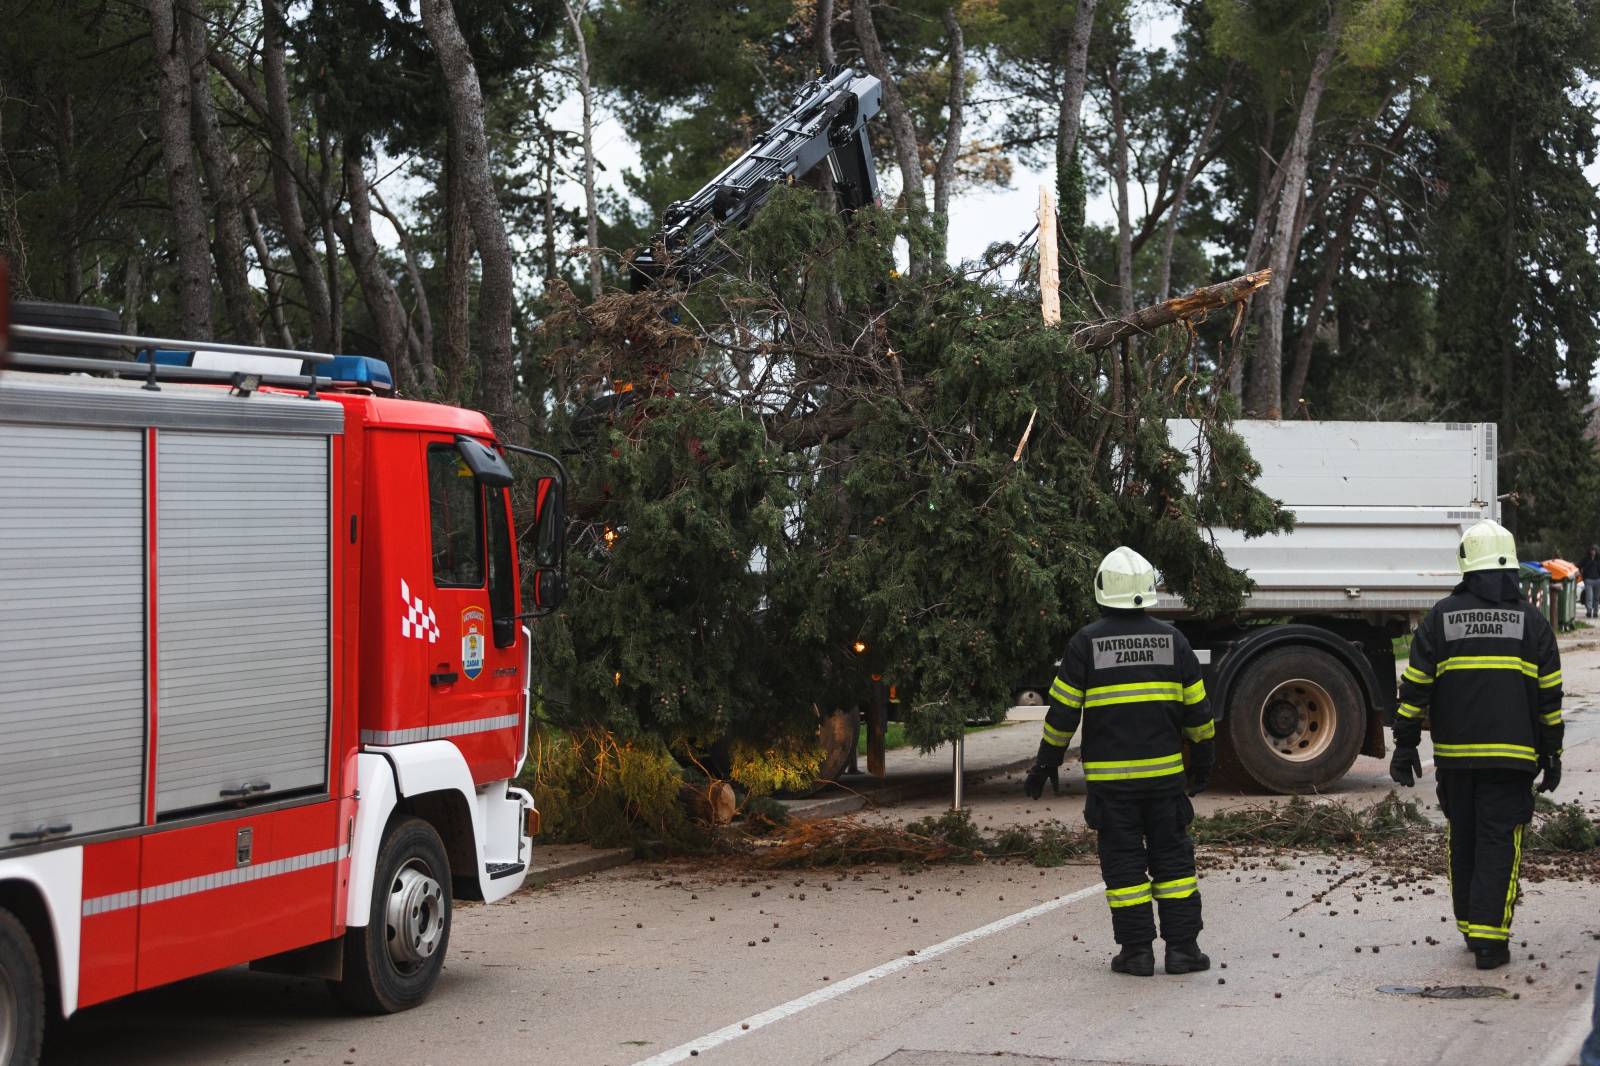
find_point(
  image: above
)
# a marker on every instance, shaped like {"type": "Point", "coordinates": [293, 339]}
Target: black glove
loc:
{"type": "Point", "coordinates": [1405, 766]}
{"type": "Point", "coordinates": [1037, 776]}
{"type": "Point", "coordinates": [1202, 760]}
{"type": "Point", "coordinates": [1551, 765]}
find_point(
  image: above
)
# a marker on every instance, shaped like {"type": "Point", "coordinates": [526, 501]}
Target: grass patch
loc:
{"type": "Point", "coordinates": [947, 838]}
{"type": "Point", "coordinates": [894, 735]}
{"type": "Point", "coordinates": [1300, 823]}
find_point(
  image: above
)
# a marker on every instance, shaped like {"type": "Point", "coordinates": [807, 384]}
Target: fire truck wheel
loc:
{"type": "Point", "coordinates": [21, 995]}
{"type": "Point", "coordinates": [391, 964]}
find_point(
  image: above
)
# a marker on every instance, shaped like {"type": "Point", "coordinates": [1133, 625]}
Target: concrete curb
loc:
{"type": "Point", "coordinates": [832, 806]}
{"type": "Point", "coordinates": [596, 860]}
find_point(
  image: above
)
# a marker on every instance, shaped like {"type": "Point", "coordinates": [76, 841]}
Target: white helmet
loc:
{"type": "Point", "coordinates": [1125, 579]}
{"type": "Point", "coordinates": [1487, 546]}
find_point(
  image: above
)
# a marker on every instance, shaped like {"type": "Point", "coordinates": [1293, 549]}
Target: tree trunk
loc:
{"type": "Point", "coordinates": [457, 268]}
{"type": "Point", "coordinates": [902, 130]}
{"type": "Point", "coordinates": [66, 181]}
{"type": "Point", "coordinates": [1197, 162]}
{"type": "Point", "coordinates": [1069, 112]}
{"type": "Point", "coordinates": [552, 266]}
{"type": "Point", "coordinates": [420, 340]}
{"type": "Point", "coordinates": [377, 288]}
{"type": "Point", "coordinates": [944, 172]}
{"type": "Point", "coordinates": [1332, 257]}
{"type": "Point", "coordinates": [328, 194]}
{"type": "Point", "coordinates": [228, 231]}
{"type": "Point", "coordinates": [274, 281]}
{"type": "Point", "coordinates": [822, 34]}
{"type": "Point", "coordinates": [497, 384]}
{"type": "Point", "coordinates": [132, 289]}
{"type": "Point", "coordinates": [183, 179]}
{"type": "Point", "coordinates": [285, 191]}
{"type": "Point", "coordinates": [1265, 397]}
{"type": "Point", "coordinates": [591, 208]}
{"type": "Point", "coordinates": [714, 804]}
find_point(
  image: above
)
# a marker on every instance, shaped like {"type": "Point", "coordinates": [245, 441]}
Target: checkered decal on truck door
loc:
{"type": "Point", "coordinates": [418, 621]}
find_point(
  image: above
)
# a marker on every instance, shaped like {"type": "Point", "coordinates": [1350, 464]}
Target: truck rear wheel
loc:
{"type": "Point", "coordinates": [1295, 721]}
{"type": "Point", "coordinates": [21, 995]}
{"type": "Point", "coordinates": [391, 964]}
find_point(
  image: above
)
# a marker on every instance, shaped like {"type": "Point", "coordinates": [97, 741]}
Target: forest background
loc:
{"type": "Point", "coordinates": [819, 479]}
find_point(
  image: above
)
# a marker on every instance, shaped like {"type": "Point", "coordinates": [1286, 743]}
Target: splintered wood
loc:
{"type": "Point", "coordinates": [1049, 261]}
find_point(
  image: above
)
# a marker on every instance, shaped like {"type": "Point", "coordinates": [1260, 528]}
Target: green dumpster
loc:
{"type": "Point", "coordinates": [1563, 594]}
{"type": "Point", "coordinates": [1535, 581]}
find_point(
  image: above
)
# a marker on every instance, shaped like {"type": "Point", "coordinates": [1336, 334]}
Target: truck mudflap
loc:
{"type": "Point", "coordinates": [484, 827]}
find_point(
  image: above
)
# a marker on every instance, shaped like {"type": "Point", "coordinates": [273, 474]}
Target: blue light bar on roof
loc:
{"type": "Point", "coordinates": [358, 370]}
{"type": "Point", "coordinates": [342, 370]}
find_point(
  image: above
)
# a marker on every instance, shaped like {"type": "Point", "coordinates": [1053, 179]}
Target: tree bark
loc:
{"type": "Point", "coordinates": [497, 383]}
{"type": "Point", "coordinates": [1265, 395]}
{"type": "Point", "coordinates": [286, 192]}
{"type": "Point", "coordinates": [1069, 112]}
{"type": "Point", "coordinates": [575, 13]}
{"type": "Point", "coordinates": [227, 206]}
{"type": "Point", "coordinates": [1332, 258]}
{"type": "Point", "coordinates": [377, 288]}
{"type": "Point", "coordinates": [183, 179]}
{"type": "Point", "coordinates": [285, 338]}
{"type": "Point", "coordinates": [902, 130]}
{"type": "Point", "coordinates": [944, 172]}
{"type": "Point", "coordinates": [822, 33]}
{"type": "Point", "coordinates": [457, 267]}
{"type": "Point", "coordinates": [66, 180]}
{"type": "Point", "coordinates": [328, 203]}
{"type": "Point", "coordinates": [132, 289]}
{"type": "Point", "coordinates": [1197, 163]}
{"type": "Point", "coordinates": [420, 340]}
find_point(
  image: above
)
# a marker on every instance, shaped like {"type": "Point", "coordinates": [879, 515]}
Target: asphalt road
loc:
{"type": "Point", "coordinates": [946, 967]}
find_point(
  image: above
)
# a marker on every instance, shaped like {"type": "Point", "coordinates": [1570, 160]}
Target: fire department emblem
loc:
{"type": "Point", "coordinates": [472, 642]}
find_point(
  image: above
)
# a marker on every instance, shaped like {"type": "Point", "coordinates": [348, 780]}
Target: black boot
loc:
{"type": "Point", "coordinates": [1491, 956]}
{"type": "Point", "coordinates": [1136, 960]}
{"type": "Point", "coordinates": [1185, 956]}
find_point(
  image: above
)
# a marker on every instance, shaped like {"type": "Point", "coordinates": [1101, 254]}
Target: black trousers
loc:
{"type": "Point", "coordinates": [1487, 811]}
{"type": "Point", "coordinates": [1146, 855]}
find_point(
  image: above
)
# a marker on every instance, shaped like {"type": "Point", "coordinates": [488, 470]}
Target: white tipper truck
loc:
{"type": "Point", "coordinates": [1302, 676]}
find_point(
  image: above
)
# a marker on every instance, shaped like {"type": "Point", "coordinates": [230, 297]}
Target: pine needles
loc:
{"type": "Point", "coordinates": [1328, 825]}
{"type": "Point", "coordinates": [947, 838]}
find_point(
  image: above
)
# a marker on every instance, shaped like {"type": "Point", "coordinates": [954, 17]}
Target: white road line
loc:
{"type": "Point", "coordinates": [745, 1027]}
{"type": "Point", "coordinates": [1565, 1051]}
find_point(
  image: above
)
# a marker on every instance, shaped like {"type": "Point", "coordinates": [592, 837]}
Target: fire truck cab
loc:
{"type": "Point", "coordinates": [265, 682]}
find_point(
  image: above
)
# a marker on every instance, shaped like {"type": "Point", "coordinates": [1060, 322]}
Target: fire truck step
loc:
{"type": "Point", "coordinates": [498, 870]}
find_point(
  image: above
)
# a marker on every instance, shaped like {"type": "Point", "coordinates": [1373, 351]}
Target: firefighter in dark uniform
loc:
{"type": "Point", "coordinates": [1135, 685]}
{"type": "Point", "coordinates": [1486, 675]}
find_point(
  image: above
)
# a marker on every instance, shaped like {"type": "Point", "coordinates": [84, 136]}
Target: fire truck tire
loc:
{"type": "Point", "coordinates": [21, 995]}
{"type": "Point", "coordinates": [392, 963]}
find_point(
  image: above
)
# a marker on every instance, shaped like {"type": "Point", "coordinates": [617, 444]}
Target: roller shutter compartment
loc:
{"type": "Point", "coordinates": [72, 631]}
{"type": "Point", "coordinates": [243, 617]}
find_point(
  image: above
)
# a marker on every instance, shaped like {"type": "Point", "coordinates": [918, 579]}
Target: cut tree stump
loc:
{"type": "Point", "coordinates": [713, 804]}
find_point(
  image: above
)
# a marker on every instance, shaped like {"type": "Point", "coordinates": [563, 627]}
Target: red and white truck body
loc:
{"type": "Point", "coordinates": [246, 633]}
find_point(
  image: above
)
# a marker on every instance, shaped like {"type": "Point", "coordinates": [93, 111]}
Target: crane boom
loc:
{"type": "Point", "coordinates": [827, 121]}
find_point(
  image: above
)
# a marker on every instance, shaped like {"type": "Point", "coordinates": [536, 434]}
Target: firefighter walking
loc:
{"type": "Point", "coordinates": [1486, 674]}
{"type": "Point", "coordinates": [1135, 685]}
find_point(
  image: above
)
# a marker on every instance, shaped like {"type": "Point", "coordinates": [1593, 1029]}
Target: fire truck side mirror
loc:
{"type": "Point", "coordinates": [549, 544]}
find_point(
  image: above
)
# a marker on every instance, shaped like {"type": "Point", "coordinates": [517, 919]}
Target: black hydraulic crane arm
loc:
{"type": "Point", "coordinates": [828, 121]}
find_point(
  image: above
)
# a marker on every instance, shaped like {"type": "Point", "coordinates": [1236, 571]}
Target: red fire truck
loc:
{"type": "Point", "coordinates": [264, 678]}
